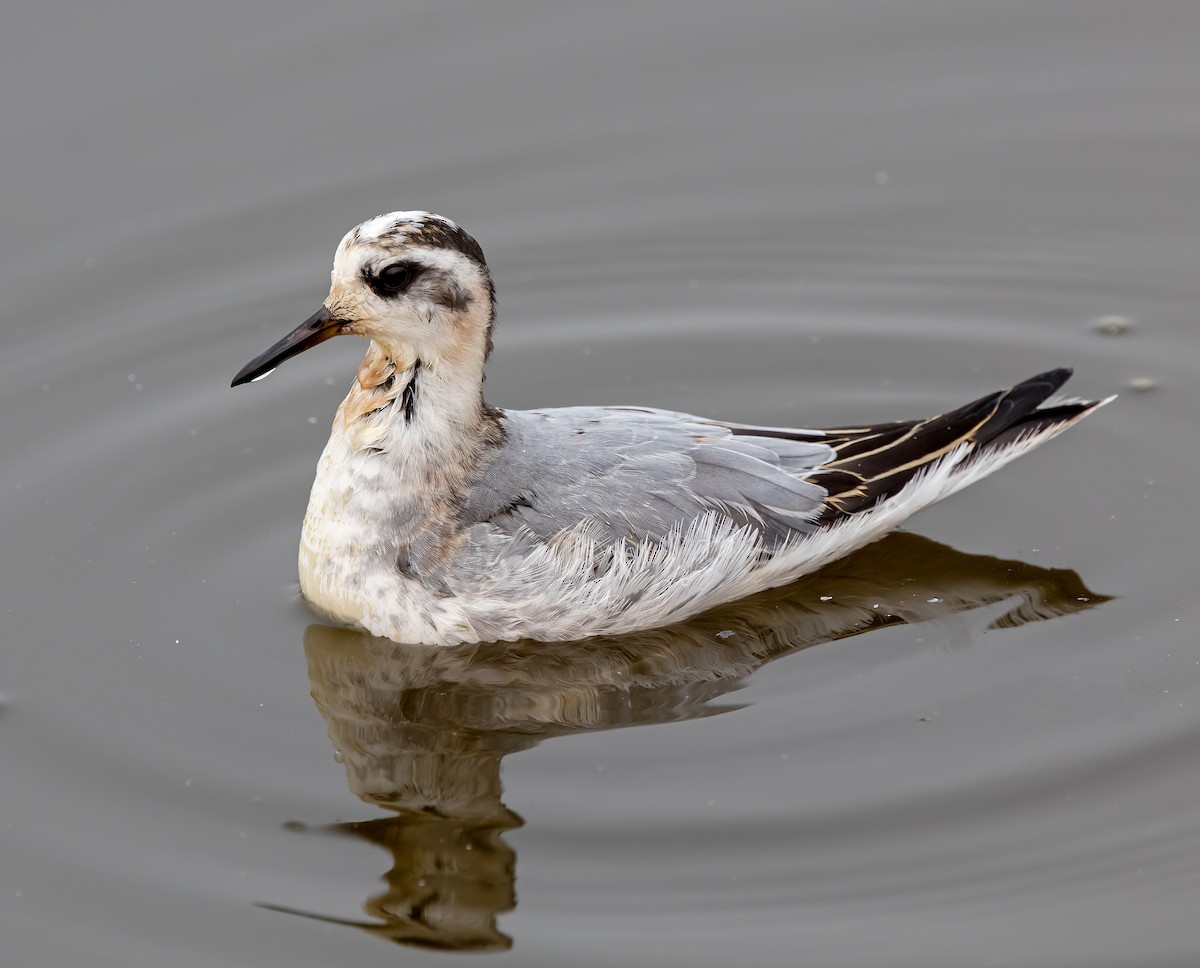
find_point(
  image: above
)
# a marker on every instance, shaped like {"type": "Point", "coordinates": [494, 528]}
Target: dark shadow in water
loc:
{"type": "Point", "coordinates": [422, 730]}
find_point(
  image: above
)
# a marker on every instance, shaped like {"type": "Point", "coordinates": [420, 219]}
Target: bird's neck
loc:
{"type": "Point", "coordinates": [422, 413]}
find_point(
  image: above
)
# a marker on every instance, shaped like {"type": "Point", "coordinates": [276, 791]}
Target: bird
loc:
{"type": "Point", "coordinates": [436, 518]}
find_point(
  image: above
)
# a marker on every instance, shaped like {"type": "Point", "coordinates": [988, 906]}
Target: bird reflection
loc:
{"type": "Point", "coordinates": [422, 730]}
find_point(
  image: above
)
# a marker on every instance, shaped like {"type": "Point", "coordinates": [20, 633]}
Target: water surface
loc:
{"type": "Point", "coordinates": [970, 744]}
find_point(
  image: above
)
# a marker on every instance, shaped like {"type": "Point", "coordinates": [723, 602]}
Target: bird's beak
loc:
{"type": "Point", "coordinates": [319, 327]}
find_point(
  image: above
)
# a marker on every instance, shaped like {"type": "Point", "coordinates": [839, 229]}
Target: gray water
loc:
{"type": "Point", "coordinates": [972, 744]}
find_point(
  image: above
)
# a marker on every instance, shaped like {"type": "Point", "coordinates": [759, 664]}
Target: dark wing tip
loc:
{"type": "Point", "coordinates": [879, 464]}
{"type": "Point", "coordinates": [1054, 379]}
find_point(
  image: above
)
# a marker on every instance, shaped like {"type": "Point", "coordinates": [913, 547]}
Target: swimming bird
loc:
{"type": "Point", "coordinates": [436, 518]}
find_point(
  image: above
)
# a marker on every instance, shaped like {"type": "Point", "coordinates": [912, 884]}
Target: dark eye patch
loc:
{"type": "Point", "coordinates": [393, 279]}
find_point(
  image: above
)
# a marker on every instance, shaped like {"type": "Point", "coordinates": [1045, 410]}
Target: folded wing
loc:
{"type": "Point", "coordinates": [639, 474]}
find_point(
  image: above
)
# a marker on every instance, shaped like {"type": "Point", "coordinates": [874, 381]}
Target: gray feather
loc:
{"type": "Point", "coordinates": [636, 473]}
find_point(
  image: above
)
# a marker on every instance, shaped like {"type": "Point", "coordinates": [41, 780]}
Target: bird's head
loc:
{"type": "Point", "coordinates": [414, 283]}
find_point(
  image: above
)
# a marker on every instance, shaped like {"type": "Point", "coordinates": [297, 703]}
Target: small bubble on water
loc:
{"type": "Point", "coordinates": [1112, 325]}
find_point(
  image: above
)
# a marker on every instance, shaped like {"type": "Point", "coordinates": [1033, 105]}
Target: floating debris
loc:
{"type": "Point", "coordinates": [1143, 384]}
{"type": "Point", "coordinates": [1112, 325]}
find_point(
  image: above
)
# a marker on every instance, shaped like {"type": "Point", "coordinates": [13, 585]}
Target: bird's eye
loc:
{"type": "Point", "coordinates": [396, 277]}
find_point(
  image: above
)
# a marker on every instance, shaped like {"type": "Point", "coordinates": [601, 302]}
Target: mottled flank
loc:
{"type": "Point", "coordinates": [437, 518]}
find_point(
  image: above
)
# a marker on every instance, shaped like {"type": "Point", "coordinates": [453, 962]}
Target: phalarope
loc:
{"type": "Point", "coordinates": [438, 519]}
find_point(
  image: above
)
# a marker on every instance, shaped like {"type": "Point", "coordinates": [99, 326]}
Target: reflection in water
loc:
{"type": "Point", "coordinates": [421, 730]}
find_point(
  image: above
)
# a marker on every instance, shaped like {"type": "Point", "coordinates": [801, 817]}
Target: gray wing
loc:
{"type": "Point", "coordinates": [639, 473]}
